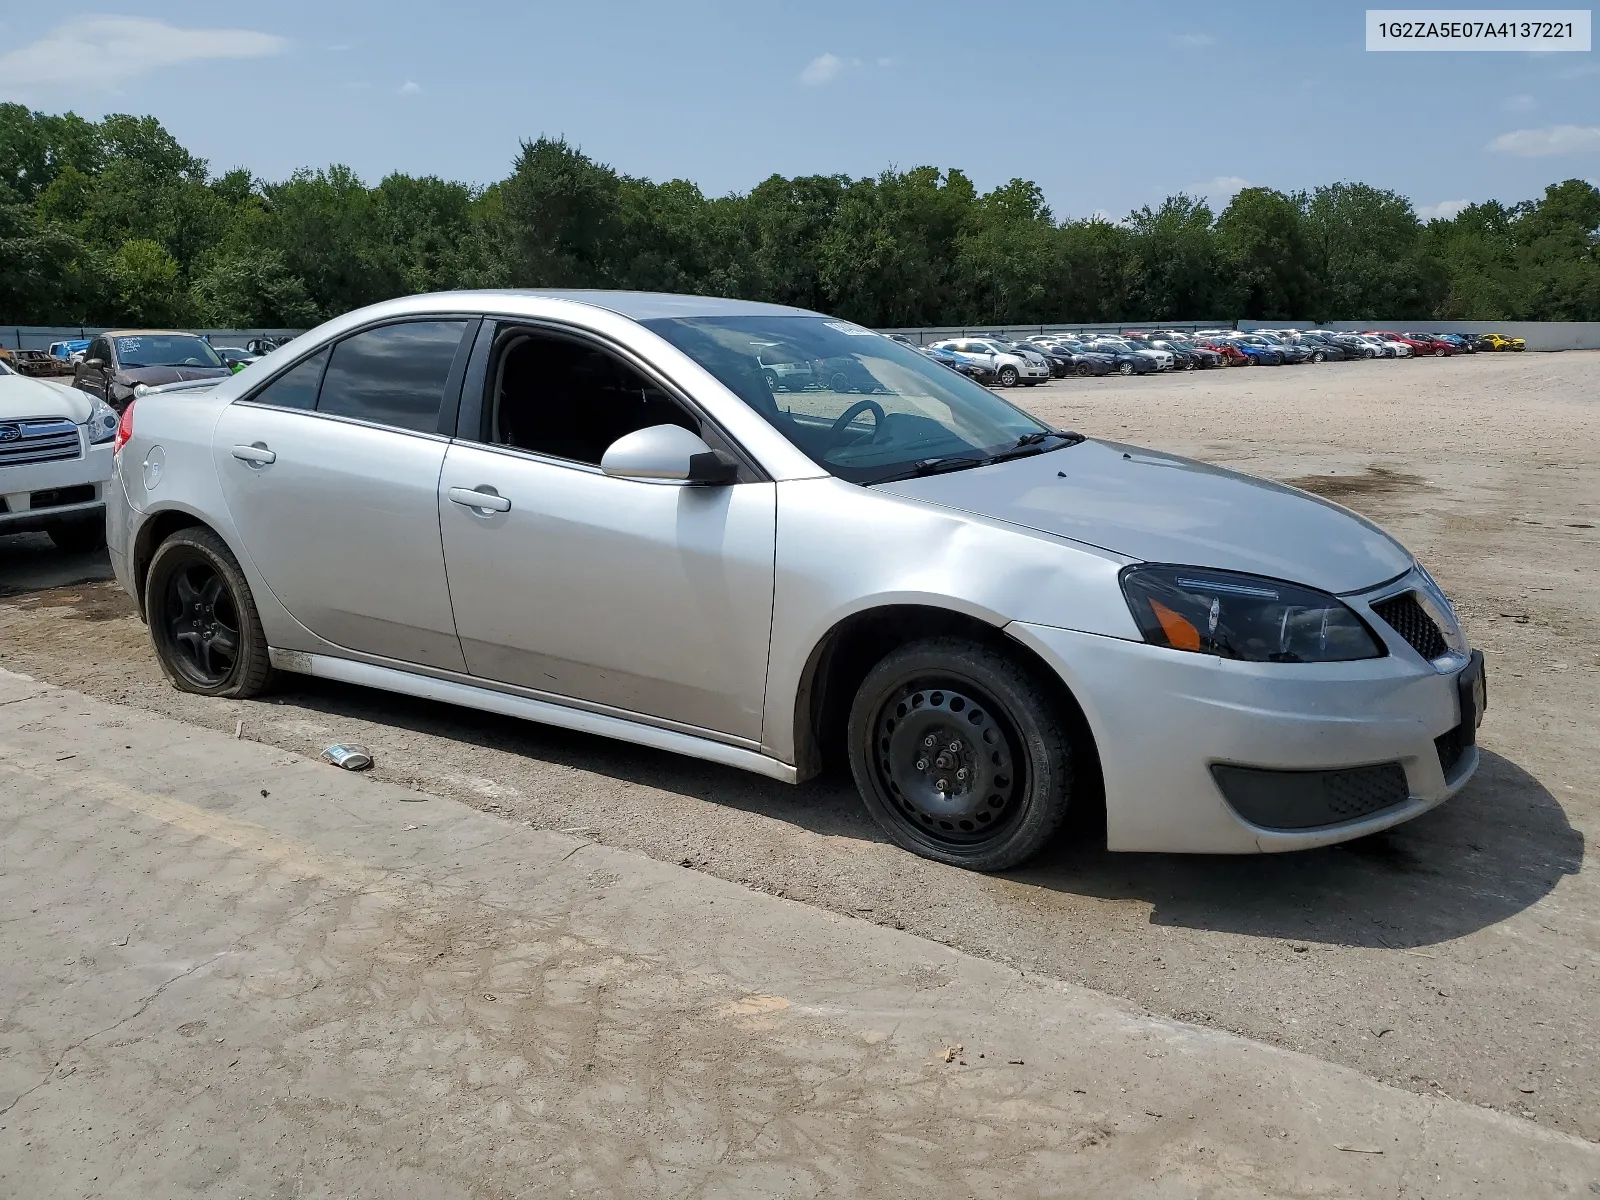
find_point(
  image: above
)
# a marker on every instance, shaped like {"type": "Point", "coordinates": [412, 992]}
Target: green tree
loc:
{"type": "Point", "coordinates": [146, 281]}
{"type": "Point", "coordinates": [1265, 257]}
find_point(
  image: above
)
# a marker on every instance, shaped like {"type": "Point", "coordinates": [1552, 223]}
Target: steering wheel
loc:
{"type": "Point", "coordinates": [880, 419]}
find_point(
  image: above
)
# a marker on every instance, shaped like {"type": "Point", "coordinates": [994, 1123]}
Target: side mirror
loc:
{"type": "Point", "coordinates": [668, 453]}
{"type": "Point", "coordinates": [94, 363]}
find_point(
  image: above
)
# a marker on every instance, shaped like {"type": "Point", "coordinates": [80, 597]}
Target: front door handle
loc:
{"type": "Point", "coordinates": [481, 501]}
{"type": "Point", "coordinates": [257, 455]}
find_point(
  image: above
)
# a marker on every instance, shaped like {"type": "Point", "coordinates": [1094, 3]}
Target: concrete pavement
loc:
{"type": "Point", "coordinates": [230, 970]}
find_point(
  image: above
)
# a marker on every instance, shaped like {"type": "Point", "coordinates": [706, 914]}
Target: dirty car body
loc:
{"type": "Point", "coordinates": [590, 509]}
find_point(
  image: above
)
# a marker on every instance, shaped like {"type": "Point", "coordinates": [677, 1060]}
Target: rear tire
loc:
{"type": "Point", "coordinates": [78, 537]}
{"type": "Point", "coordinates": [991, 723]}
{"type": "Point", "coordinates": [203, 620]}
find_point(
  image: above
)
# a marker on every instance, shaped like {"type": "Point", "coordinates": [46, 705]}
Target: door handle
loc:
{"type": "Point", "coordinates": [256, 456]}
{"type": "Point", "coordinates": [481, 501]}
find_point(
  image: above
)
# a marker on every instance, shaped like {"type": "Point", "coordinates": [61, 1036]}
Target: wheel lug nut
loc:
{"type": "Point", "coordinates": [961, 773]}
{"type": "Point", "coordinates": [922, 764]}
{"type": "Point", "coordinates": [943, 785]}
{"type": "Point", "coordinates": [955, 747]}
{"type": "Point", "coordinates": [929, 740]}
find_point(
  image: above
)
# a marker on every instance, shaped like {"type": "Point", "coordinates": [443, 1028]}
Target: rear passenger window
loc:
{"type": "Point", "coordinates": [392, 375]}
{"type": "Point", "coordinates": [296, 387]}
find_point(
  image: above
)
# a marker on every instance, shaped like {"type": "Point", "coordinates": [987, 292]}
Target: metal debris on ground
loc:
{"type": "Point", "coordinates": [351, 757]}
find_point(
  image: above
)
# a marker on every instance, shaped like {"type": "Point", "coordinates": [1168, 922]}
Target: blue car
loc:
{"type": "Point", "coordinates": [1260, 352]}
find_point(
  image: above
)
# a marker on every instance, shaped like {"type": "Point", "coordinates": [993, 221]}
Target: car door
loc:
{"type": "Point", "coordinates": [648, 598]}
{"type": "Point", "coordinates": [91, 378]}
{"type": "Point", "coordinates": [331, 475]}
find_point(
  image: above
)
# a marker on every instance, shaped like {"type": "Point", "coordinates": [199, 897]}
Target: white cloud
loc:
{"type": "Point", "coordinates": [1223, 187]}
{"type": "Point", "coordinates": [1195, 39]}
{"type": "Point", "coordinates": [1542, 143]}
{"type": "Point", "coordinates": [106, 50]}
{"type": "Point", "coordinates": [1445, 210]}
{"type": "Point", "coordinates": [1523, 103]}
{"type": "Point", "coordinates": [410, 87]}
{"type": "Point", "coordinates": [824, 68]}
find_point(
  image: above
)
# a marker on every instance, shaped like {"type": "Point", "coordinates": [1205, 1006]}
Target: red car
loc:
{"type": "Point", "coordinates": [1439, 346]}
{"type": "Point", "coordinates": [1231, 354]}
{"type": "Point", "coordinates": [1421, 344]}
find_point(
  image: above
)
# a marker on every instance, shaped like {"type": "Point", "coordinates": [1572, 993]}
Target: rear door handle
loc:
{"type": "Point", "coordinates": [257, 455]}
{"type": "Point", "coordinates": [483, 501]}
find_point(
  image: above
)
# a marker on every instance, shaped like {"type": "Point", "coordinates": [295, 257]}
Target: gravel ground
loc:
{"type": "Point", "coordinates": [1455, 955]}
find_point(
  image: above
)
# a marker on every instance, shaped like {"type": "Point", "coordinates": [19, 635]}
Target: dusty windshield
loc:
{"type": "Point", "coordinates": [865, 407]}
{"type": "Point", "coordinates": [165, 350]}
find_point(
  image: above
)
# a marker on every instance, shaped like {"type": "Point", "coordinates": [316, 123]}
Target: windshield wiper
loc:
{"type": "Point", "coordinates": [935, 466]}
{"type": "Point", "coordinates": [1032, 443]}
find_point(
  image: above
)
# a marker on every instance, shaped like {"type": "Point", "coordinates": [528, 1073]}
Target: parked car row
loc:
{"type": "Point", "coordinates": [995, 360]}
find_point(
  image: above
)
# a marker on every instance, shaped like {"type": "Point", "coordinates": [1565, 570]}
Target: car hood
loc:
{"type": "Point", "coordinates": [21, 397]}
{"type": "Point", "coordinates": [156, 376]}
{"type": "Point", "coordinates": [1160, 508]}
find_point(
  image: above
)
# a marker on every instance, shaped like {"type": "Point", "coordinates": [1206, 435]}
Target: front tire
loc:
{"type": "Point", "coordinates": [1007, 376]}
{"type": "Point", "coordinates": [203, 621]}
{"type": "Point", "coordinates": [958, 713]}
{"type": "Point", "coordinates": [1084, 370]}
{"type": "Point", "coordinates": [1125, 369]}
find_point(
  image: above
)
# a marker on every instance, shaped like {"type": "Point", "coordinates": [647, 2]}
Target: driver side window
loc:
{"type": "Point", "coordinates": [567, 398]}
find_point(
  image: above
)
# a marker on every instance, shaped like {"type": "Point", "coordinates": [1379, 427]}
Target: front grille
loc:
{"type": "Point", "coordinates": [41, 439]}
{"type": "Point", "coordinates": [1412, 623]}
{"type": "Point", "coordinates": [1310, 799]}
{"type": "Point", "coordinates": [55, 497]}
{"type": "Point", "coordinates": [1451, 745]}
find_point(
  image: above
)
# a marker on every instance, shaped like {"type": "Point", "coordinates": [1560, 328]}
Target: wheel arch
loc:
{"type": "Point", "coordinates": [154, 530]}
{"type": "Point", "coordinates": [840, 661]}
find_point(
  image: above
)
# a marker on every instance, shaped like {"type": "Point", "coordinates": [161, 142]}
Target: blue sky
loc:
{"type": "Point", "coordinates": [1106, 106]}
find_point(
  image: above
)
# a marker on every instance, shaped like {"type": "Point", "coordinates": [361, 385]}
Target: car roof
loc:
{"type": "Point", "coordinates": [645, 306]}
{"type": "Point", "coordinates": [144, 332]}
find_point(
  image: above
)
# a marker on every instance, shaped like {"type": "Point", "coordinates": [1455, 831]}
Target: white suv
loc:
{"type": "Point", "coordinates": [55, 458]}
{"type": "Point", "coordinates": [1011, 366]}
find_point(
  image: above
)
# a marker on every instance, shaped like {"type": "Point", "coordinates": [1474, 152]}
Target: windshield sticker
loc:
{"type": "Point", "coordinates": [128, 345]}
{"type": "Point", "coordinates": [851, 330]}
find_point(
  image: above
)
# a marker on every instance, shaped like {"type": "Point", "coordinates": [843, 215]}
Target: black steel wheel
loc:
{"type": "Point", "coordinates": [960, 755]}
{"type": "Point", "coordinates": [1084, 370]}
{"type": "Point", "coordinates": [203, 621]}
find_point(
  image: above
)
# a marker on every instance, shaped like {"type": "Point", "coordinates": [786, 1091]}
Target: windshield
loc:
{"type": "Point", "coordinates": [165, 350]}
{"type": "Point", "coordinates": [869, 409]}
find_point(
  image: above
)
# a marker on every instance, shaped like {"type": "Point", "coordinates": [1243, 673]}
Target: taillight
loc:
{"type": "Point", "coordinates": [124, 429]}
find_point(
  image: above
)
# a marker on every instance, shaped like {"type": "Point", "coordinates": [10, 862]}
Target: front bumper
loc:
{"type": "Point", "coordinates": [36, 496]}
{"type": "Point", "coordinates": [1162, 719]}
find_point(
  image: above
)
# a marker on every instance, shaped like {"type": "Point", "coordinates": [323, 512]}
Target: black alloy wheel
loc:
{"type": "Point", "coordinates": [1084, 370]}
{"type": "Point", "coordinates": [959, 754]}
{"type": "Point", "coordinates": [1007, 376]}
{"type": "Point", "coordinates": [207, 633]}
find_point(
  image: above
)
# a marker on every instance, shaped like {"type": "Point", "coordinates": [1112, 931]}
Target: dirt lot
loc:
{"type": "Point", "coordinates": [1455, 955]}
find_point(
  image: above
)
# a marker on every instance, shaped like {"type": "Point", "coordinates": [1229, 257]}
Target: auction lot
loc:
{"type": "Point", "coordinates": [1455, 956]}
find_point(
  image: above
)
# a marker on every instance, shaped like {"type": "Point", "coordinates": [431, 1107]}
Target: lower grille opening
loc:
{"type": "Point", "coordinates": [55, 497]}
{"type": "Point", "coordinates": [1452, 746]}
{"type": "Point", "coordinates": [1310, 799]}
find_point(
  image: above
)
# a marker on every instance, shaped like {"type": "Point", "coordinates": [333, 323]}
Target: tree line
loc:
{"type": "Point", "coordinates": [113, 222]}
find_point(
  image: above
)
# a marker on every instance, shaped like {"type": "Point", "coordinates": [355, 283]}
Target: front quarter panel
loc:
{"type": "Point", "coordinates": [844, 549]}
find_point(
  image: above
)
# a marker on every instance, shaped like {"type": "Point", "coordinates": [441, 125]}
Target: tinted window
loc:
{"type": "Point", "coordinates": [296, 387]}
{"type": "Point", "coordinates": [393, 375]}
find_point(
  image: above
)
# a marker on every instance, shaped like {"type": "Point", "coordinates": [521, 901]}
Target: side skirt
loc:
{"type": "Point", "coordinates": [541, 711]}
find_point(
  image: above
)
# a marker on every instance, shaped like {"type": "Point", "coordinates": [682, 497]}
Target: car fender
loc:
{"type": "Point", "coordinates": [843, 550]}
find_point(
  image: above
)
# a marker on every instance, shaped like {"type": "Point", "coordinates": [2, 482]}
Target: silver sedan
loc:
{"type": "Point", "coordinates": [593, 510]}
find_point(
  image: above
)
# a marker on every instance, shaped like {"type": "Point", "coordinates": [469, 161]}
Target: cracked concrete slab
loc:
{"type": "Point", "coordinates": [231, 970]}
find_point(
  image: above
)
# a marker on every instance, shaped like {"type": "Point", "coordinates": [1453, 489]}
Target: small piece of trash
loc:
{"type": "Point", "coordinates": [265, 793]}
{"type": "Point", "coordinates": [1298, 949]}
{"type": "Point", "coordinates": [951, 1053]}
{"type": "Point", "coordinates": [411, 827]}
{"type": "Point", "coordinates": [64, 757]}
{"type": "Point", "coordinates": [238, 729]}
{"type": "Point", "coordinates": [351, 757]}
{"type": "Point", "coordinates": [1524, 1089]}
{"type": "Point", "coordinates": [1014, 1062]}
{"type": "Point", "coordinates": [1357, 1149]}
{"type": "Point", "coordinates": [1150, 1112]}
{"type": "Point", "coordinates": [1381, 1032]}
{"type": "Point", "coordinates": [488, 995]}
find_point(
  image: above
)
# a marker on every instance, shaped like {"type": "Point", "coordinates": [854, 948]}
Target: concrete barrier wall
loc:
{"type": "Point", "coordinates": [1540, 335]}
{"type": "Point", "coordinates": [39, 337]}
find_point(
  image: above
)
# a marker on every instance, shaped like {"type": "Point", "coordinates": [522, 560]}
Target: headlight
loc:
{"type": "Point", "coordinates": [102, 423]}
{"type": "Point", "coordinates": [1244, 617]}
